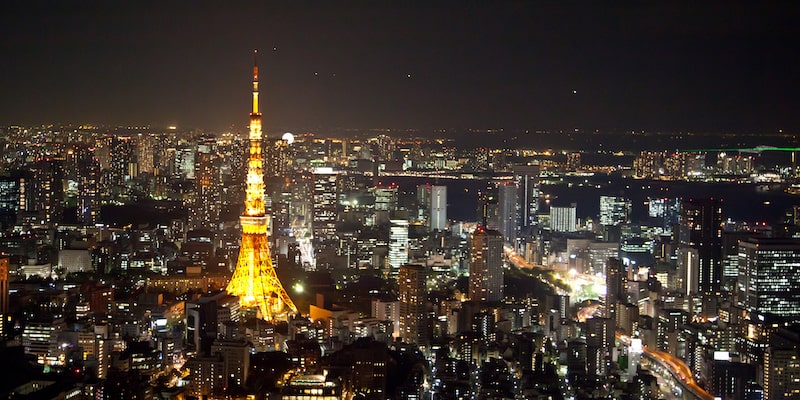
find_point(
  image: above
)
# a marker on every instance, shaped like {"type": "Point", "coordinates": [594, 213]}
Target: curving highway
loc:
{"type": "Point", "coordinates": [677, 368]}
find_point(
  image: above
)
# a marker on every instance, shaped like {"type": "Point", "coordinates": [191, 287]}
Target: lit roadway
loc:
{"type": "Point", "coordinates": [677, 368]}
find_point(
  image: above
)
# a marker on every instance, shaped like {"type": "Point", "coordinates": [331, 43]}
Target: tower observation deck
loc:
{"type": "Point", "coordinates": [254, 281]}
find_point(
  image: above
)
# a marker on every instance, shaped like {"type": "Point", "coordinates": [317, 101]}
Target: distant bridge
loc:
{"type": "Point", "coordinates": [757, 149]}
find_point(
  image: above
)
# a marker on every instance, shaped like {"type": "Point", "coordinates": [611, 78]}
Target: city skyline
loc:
{"type": "Point", "coordinates": [481, 201]}
{"type": "Point", "coordinates": [718, 66]}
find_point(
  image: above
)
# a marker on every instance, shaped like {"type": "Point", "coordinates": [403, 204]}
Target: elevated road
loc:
{"type": "Point", "coordinates": [678, 369]}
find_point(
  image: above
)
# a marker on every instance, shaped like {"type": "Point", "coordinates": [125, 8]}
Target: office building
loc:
{"type": "Point", "coordinates": [385, 197]}
{"type": "Point", "coordinates": [387, 311]}
{"type": "Point", "coordinates": [599, 253]}
{"type": "Point", "coordinates": [563, 219]}
{"type": "Point", "coordinates": [781, 366]}
{"type": "Point", "coordinates": [701, 228]}
{"type": "Point", "coordinates": [667, 210]}
{"type": "Point", "coordinates": [398, 245]}
{"type": "Point", "coordinates": [614, 210]}
{"type": "Point", "coordinates": [769, 276]}
{"type": "Point", "coordinates": [48, 191]}
{"type": "Point", "coordinates": [325, 202]}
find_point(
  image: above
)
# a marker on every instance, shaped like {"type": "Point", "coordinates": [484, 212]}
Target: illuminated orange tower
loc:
{"type": "Point", "coordinates": [254, 281]}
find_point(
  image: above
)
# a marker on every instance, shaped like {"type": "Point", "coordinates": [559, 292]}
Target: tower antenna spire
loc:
{"type": "Point", "coordinates": [255, 65]}
{"type": "Point", "coordinates": [255, 85]}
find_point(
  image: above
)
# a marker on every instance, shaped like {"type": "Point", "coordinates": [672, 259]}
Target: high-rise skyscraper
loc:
{"type": "Point", "coordinates": [599, 345]}
{"type": "Point", "coordinates": [385, 197]}
{"type": "Point", "coordinates": [325, 202]}
{"type": "Point", "coordinates": [145, 160]}
{"type": "Point", "coordinates": [278, 158]}
{"type": "Point", "coordinates": [123, 165]}
{"type": "Point", "coordinates": [88, 171]}
{"type": "Point", "coordinates": [614, 210]}
{"type": "Point", "coordinates": [184, 162]}
{"type": "Point", "coordinates": [398, 245]}
{"type": "Point", "coordinates": [701, 228]}
{"type": "Point", "coordinates": [207, 178]}
{"type": "Point", "coordinates": [508, 211]}
{"type": "Point", "coordinates": [438, 215]}
{"type": "Point", "coordinates": [616, 279]}
{"type": "Point", "coordinates": [486, 265]}
{"type": "Point", "coordinates": [412, 296]}
{"type": "Point", "coordinates": [668, 210]}
{"type": "Point", "coordinates": [781, 367]}
{"type": "Point", "coordinates": [769, 276]}
{"type": "Point", "coordinates": [488, 209]}
{"type": "Point", "coordinates": [385, 202]}
{"type": "Point", "coordinates": [527, 179]}
{"type": "Point", "coordinates": [48, 190]}
{"type": "Point", "coordinates": [254, 281]}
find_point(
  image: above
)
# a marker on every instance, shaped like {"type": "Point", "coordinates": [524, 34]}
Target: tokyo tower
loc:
{"type": "Point", "coordinates": [254, 281]}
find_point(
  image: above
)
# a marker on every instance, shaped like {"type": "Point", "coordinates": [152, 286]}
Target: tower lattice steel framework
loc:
{"type": "Point", "coordinates": [254, 281]}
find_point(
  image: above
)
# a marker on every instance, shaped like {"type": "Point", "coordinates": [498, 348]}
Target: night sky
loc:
{"type": "Point", "coordinates": [713, 66]}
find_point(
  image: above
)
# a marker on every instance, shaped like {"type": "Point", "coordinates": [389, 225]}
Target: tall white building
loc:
{"type": "Point", "coordinates": [398, 245]}
{"type": "Point", "coordinates": [563, 219]}
{"type": "Point", "coordinates": [438, 217]}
